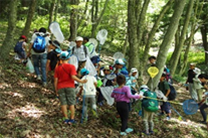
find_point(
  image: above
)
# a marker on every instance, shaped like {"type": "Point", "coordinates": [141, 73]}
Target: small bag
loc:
{"type": "Point", "coordinates": [29, 66]}
{"type": "Point", "coordinates": [150, 103]}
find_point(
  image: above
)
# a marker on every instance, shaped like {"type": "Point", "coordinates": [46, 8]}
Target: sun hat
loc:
{"type": "Point", "coordinates": [54, 43]}
{"type": "Point", "coordinates": [84, 71]}
{"type": "Point", "coordinates": [58, 50]}
{"type": "Point", "coordinates": [193, 64]}
{"type": "Point", "coordinates": [120, 62]}
{"type": "Point", "coordinates": [106, 67]}
{"type": "Point", "coordinates": [144, 88]}
{"type": "Point", "coordinates": [79, 38]}
{"type": "Point", "coordinates": [64, 55]}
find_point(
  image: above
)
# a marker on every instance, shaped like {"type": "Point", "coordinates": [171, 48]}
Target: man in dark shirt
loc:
{"type": "Point", "coordinates": [165, 88]}
{"type": "Point", "coordinates": [189, 81]}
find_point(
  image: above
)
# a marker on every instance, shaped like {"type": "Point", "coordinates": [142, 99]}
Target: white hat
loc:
{"type": "Point", "coordinates": [79, 38]}
{"type": "Point", "coordinates": [120, 62]}
{"type": "Point", "coordinates": [193, 64]}
{"type": "Point", "coordinates": [134, 70]}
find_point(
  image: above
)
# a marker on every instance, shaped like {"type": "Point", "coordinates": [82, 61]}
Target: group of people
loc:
{"type": "Point", "coordinates": [47, 56]}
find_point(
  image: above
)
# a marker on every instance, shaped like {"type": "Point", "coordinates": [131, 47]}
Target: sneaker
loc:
{"type": "Point", "coordinates": [144, 132]}
{"type": "Point", "coordinates": [203, 122]}
{"type": "Point", "coordinates": [151, 132]}
{"type": "Point", "coordinates": [161, 114]}
{"type": "Point", "coordinates": [44, 84]}
{"type": "Point", "coordinates": [129, 130]}
{"type": "Point", "coordinates": [123, 133]}
{"type": "Point", "coordinates": [39, 77]}
{"type": "Point", "coordinates": [72, 121]}
{"type": "Point", "coordinates": [168, 118]}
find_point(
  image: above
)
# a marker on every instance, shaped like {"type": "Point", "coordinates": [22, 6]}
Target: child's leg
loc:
{"type": "Point", "coordinates": [86, 100]}
{"type": "Point", "coordinates": [64, 111]}
{"type": "Point", "coordinates": [123, 110]}
{"type": "Point", "coordinates": [166, 107]}
{"type": "Point", "coordinates": [71, 108]}
{"type": "Point", "coordinates": [93, 105]}
{"type": "Point", "coordinates": [145, 120]}
{"type": "Point", "coordinates": [199, 93]}
{"type": "Point", "coordinates": [151, 126]}
{"type": "Point", "coordinates": [203, 113]}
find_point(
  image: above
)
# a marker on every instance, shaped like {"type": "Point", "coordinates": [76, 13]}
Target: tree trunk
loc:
{"type": "Point", "coordinates": [132, 35]}
{"type": "Point", "coordinates": [8, 43]}
{"type": "Point", "coordinates": [56, 9]}
{"type": "Point", "coordinates": [30, 14]}
{"type": "Point", "coordinates": [73, 21]}
{"type": "Point", "coordinates": [182, 38]}
{"type": "Point", "coordinates": [163, 52]}
{"type": "Point", "coordinates": [153, 31]}
{"type": "Point", "coordinates": [190, 39]}
{"type": "Point", "coordinates": [204, 39]}
{"type": "Point", "coordinates": [96, 20]}
{"type": "Point", "coordinates": [51, 12]}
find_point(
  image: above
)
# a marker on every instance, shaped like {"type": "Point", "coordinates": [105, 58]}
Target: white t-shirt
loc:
{"type": "Point", "coordinates": [80, 53]}
{"type": "Point", "coordinates": [33, 39]}
{"type": "Point", "coordinates": [89, 87]}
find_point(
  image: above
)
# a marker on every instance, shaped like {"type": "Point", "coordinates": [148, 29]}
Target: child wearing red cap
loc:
{"type": "Point", "coordinates": [21, 48]}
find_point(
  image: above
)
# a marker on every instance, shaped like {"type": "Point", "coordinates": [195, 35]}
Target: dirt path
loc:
{"type": "Point", "coordinates": [28, 110]}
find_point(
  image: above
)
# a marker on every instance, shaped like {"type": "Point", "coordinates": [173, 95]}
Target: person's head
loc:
{"type": "Point", "coordinates": [79, 41]}
{"type": "Point", "coordinates": [162, 78]}
{"type": "Point", "coordinates": [54, 44]}
{"type": "Point", "coordinates": [64, 56]}
{"type": "Point", "coordinates": [42, 30]}
{"type": "Point", "coordinates": [86, 39]}
{"type": "Point", "coordinates": [192, 65]}
{"type": "Point", "coordinates": [106, 70]}
{"type": "Point", "coordinates": [121, 80]}
{"type": "Point", "coordinates": [119, 64]}
{"type": "Point", "coordinates": [152, 59]}
{"type": "Point", "coordinates": [144, 88]}
{"type": "Point", "coordinates": [23, 37]}
{"type": "Point", "coordinates": [133, 72]}
{"type": "Point", "coordinates": [203, 78]}
{"type": "Point", "coordinates": [84, 72]}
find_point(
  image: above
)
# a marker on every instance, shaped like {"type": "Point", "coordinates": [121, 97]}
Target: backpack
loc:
{"type": "Point", "coordinates": [18, 47]}
{"type": "Point", "coordinates": [150, 105]}
{"type": "Point", "coordinates": [172, 95]}
{"type": "Point", "coordinates": [39, 44]}
{"type": "Point", "coordinates": [85, 50]}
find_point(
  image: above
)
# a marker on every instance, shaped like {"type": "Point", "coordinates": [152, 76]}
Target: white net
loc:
{"type": "Point", "coordinates": [56, 31]}
{"type": "Point", "coordinates": [118, 55]}
{"type": "Point", "coordinates": [74, 61]}
{"type": "Point", "coordinates": [102, 35]}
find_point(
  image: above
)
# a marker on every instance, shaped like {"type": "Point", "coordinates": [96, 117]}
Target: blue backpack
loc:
{"type": "Point", "coordinates": [39, 44]}
{"type": "Point", "coordinates": [173, 93]}
{"type": "Point", "coordinates": [18, 47]}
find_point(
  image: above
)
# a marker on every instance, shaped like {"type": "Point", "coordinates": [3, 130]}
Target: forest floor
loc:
{"type": "Point", "coordinates": [29, 110]}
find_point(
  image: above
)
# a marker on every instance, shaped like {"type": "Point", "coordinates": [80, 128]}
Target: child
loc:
{"type": "Point", "coordinates": [64, 77]}
{"type": "Point", "coordinates": [122, 97]}
{"type": "Point", "coordinates": [148, 109]}
{"type": "Point", "coordinates": [89, 93]}
{"type": "Point", "coordinates": [132, 82]}
{"type": "Point", "coordinates": [152, 60]}
{"type": "Point", "coordinates": [20, 48]}
{"type": "Point", "coordinates": [164, 87]}
{"type": "Point", "coordinates": [52, 56]}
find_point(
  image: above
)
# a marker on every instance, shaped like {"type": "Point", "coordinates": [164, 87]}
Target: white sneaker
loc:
{"type": "Point", "coordinates": [167, 118]}
{"type": "Point", "coordinates": [44, 84]}
{"type": "Point", "coordinates": [39, 77]}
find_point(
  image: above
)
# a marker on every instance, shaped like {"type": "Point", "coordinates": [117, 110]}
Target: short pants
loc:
{"type": "Point", "coordinates": [67, 96]}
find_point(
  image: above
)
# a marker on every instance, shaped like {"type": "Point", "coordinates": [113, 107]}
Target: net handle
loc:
{"type": "Point", "coordinates": [163, 100]}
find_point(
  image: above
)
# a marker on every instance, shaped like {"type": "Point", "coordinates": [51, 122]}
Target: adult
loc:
{"type": "Point", "coordinates": [89, 45]}
{"type": "Point", "coordinates": [189, 81]}
{"type": "Point", "coordinates": [81, 52]}
{"type": "Point", "coordinates": [39, 58]}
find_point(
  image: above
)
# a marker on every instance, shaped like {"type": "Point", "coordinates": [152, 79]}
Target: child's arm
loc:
{"type": "Point", "coordinates": [55, 85]}
{"type": "Point", "coordinates": [80, 91]}
{"type": "Point", "coordinates": [168, 92]}
{"type": "Point", "coordinates": [78, 80]}
{"type": "Point", "coordinates": [129, 95]}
